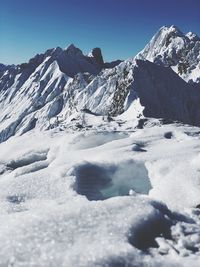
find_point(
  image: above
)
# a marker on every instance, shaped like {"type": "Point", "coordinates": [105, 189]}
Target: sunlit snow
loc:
{"type": "Point", "coordinates": [98, 198]}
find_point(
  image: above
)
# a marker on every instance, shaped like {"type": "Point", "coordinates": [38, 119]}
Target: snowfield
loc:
{"type": "Point", "coordinates": [107, 196]}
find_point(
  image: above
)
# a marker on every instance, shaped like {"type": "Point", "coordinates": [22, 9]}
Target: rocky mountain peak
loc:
{"type": "Point", "coordinates": [170, 47]}
{"type": "Point", "coordinates": [72, 50]}
{"type": "Point", "coordinates": [97, 55]}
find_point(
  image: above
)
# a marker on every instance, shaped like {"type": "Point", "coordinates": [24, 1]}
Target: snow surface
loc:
{"type": "Point", "coordinates": [98, 197]}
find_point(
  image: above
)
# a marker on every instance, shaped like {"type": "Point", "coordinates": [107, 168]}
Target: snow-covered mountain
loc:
{"type": "Point", "coordinates": [169, 47]}
{"type": "Point", "coordinates": [47, 92]}
{"type": "Point", "coordinates": [42, 87]}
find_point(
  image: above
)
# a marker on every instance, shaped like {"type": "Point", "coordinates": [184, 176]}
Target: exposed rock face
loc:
{"type": "Point", "coordinates": [96, 53]}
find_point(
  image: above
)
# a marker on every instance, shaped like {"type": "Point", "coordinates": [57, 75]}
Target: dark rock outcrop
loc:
{"type": "Point", "coordinates": [97, 55]}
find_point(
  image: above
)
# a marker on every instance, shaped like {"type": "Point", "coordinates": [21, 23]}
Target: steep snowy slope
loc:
{"type": "Point", "coordinates": [36, 89]}
{"type": "Point", "coordinates": [49, 97]}
{"type": "Point", "coordinates": [70, 61]}
{"type": "Point", "coordinates": [170, 47]}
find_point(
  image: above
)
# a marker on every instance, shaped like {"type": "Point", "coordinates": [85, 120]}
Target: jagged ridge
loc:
{"type": "Point", "coordinates": [59, 83]}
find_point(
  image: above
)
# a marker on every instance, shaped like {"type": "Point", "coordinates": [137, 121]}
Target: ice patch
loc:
{"type": "Point", "coordinates": [102, 181]}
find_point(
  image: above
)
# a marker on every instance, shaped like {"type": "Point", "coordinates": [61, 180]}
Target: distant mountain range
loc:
{"type": "Point", "coordinates": [162, 81]}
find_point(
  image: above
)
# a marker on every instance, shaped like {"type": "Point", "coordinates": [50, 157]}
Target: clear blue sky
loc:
{"type": "Point", "coordinates": [120, 27]}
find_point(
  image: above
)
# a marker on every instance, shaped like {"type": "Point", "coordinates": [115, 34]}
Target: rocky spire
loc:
{"type": "Point", "coordinates": [97, 55]}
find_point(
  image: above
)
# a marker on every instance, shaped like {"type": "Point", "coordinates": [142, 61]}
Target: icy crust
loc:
{"type": "Point", "coordinates": [92, 198]}
{"type": "Point", "coordinates": [170, 47]}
